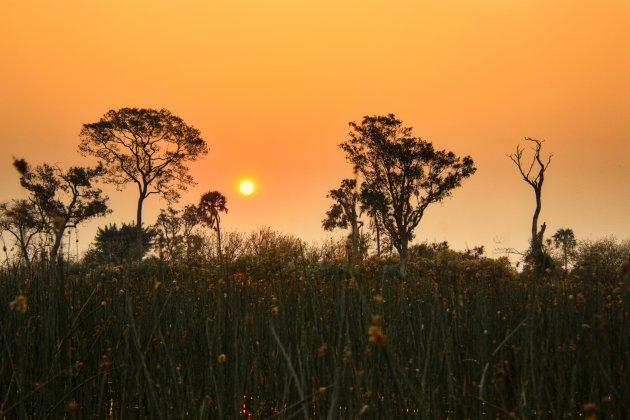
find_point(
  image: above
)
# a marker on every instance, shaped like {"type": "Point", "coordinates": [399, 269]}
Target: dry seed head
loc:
{"type": "Point", "coordinates": [19, 304]}
{"type": "Point", "coordinates": [321, 350]}
{"type": "Point", "coordinates": [72, 406]}
{"type": "Point", "coordinates": [590, 409]}
{"type": "Point", "coordinates": [105, 363]}
{"type": "Point", "coordinates": [376, 336]}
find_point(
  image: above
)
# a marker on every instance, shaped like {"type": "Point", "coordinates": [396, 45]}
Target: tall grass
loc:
{"type": "Point", "coordinates": [310, 341]}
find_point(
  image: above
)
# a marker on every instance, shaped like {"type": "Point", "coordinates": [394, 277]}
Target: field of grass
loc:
{"type": "Point", "coordinates": [310, 340]}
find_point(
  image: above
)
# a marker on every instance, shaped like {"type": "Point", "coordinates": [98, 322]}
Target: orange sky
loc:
{"type": "Point", "coordinates": [272, 85]}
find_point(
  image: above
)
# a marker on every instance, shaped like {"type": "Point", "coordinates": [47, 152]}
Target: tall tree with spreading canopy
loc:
{"type": "Point", "coordinates": [402, 175]}
{"type": "Point", "coordinates": [532, 170]}
{"type": "Point", "coordinates": [343, 213]}
{"type": "Point", "coordinates": [210, 205]}
{"type": "Point", "coordinates": [62, 199]}
{"type": "Point", "coordinates": [146, 147]}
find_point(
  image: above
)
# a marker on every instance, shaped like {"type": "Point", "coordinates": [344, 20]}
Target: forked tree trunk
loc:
{"type": "Point", "coordinates": [57, 243]}
{"type": "Point", "coordinates": [24, 248]}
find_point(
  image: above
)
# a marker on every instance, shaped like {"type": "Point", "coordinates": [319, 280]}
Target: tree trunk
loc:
{"type": "Point", "coordinates": [219, 240]}
{"type": "Point", "coordinates": [25, 255]}
{"type": "Point", "coordinates": [404, 255]}
{"type": "Point", "coordinates": [535, 217]}
{"type": "Point", "coordinates": [57, 244]}
{"type": "Point", "coordinates": [24, 249]}
{"type": "Point", "coordinates": [356, 255]}
{"type": "Point", "coordinates": [565, 255]}
{"type": "Point", "coordinates": [139, 249]}
{"type": "Point", "coordinates": [378, 238]}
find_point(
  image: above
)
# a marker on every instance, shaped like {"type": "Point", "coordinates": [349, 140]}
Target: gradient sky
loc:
{"type": "Point", "coordinates": [273, 84]}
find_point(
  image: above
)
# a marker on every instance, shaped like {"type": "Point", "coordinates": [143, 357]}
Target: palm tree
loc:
{"type": "Point", "coordinates": [565, 239]}
{"type": "Point", "coordinates": [210, 205]}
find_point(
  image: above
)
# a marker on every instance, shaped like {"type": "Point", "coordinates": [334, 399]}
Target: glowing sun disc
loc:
{"type": "Point", "coordinates": [246, 187]}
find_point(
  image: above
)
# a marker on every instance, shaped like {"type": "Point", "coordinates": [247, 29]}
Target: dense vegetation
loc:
{"type": "Point", "coordinates": [288, 330]}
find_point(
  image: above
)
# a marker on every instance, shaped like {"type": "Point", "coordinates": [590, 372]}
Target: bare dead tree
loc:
{"type": "Point", "coordinates": [533, 172]}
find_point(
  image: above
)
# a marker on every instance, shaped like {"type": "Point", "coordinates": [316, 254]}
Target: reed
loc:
{"type": "Point", "coordinates": [310, 340]}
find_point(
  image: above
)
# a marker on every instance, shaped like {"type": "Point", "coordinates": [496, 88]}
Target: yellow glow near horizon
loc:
{"type": "Point", "coordinates": [246, 187]}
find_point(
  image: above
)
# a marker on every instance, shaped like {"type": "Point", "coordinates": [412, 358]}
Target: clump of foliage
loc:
{"type": "Point", "coordinates": [118, 245]}
{"type": "Point", "coordinates": [603, 261]}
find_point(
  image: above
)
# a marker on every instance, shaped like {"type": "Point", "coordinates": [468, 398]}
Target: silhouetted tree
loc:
{"type": "Point", "coordinates": [146, 147]}
{"type": "Point", "coordinates": [603, 262]}
{"type": "Point", "coordinates": [20, 219]}
{"type": "Point", "coordinates": [210, 205]}
{"type": "Point", "coordinates": [402, 175]}
{"type": "Point", "coordinates": [565, 239]}
{"type": "Point", "coordinates": [118, 245]}
{"type": "Point", "coordinates": [343, 213]}
{"type": "Point", "coordinates": [175, 230]}
{"type": "Point", "coordinates": [272, 251]}
{"type": "Point", "coordinates": [62, 199]}
{"type": "Point", "coordinates": [533, 172]}
{"type": "Point", "coordinates": [168, 226]}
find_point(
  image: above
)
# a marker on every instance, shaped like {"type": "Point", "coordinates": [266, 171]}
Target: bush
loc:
{"type": "Point", "coordinates": [603, 261]}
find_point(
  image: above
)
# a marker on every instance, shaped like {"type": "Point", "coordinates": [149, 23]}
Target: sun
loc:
{"type": "Point", "coordinates": [246, 187]}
